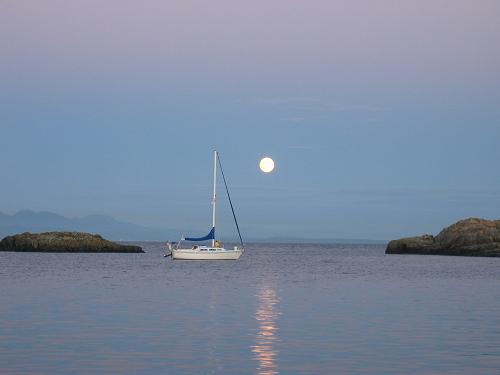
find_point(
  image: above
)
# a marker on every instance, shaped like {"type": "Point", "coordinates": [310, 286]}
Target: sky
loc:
{"type": "Point", "coordinates": [383, 117]}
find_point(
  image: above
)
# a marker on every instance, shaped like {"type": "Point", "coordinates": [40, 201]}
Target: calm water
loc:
{"type": "Point", "coordinates": [281, 309]}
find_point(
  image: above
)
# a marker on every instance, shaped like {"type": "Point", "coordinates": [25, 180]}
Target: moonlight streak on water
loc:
{"type": "Point", "coordinates": [266, 315]}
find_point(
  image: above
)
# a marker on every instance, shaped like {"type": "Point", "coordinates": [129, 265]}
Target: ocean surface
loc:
{"type": "Point", "coordinates": [280, 309]}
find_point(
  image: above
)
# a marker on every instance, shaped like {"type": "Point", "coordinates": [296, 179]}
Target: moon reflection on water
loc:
{"type": "Point", "coordinates": [266, 315]}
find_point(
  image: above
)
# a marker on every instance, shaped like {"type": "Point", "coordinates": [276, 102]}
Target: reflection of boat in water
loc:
{"type": "Point", "coordinates": [266, 315]}
{"type": "Point", "coordinates": [216, 251]}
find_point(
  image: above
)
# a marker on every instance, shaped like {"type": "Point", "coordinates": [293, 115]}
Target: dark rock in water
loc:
{"type": "Point", "coordinates": [469, 237]}
{"type": "Point", "coordinates": [64, 242]}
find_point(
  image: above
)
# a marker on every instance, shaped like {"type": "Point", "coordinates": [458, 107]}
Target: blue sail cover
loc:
{"type": "Point", "coordinates": [209, 236]}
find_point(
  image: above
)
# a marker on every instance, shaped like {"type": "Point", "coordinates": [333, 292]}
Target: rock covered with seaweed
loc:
{"type": "Point", "coordinates": [469, 237]}
{"type": "Point", "coordinates": [64, 242]}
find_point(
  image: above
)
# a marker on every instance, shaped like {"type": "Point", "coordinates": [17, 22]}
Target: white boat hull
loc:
{"type": "Point", "coordinates": [190, 254]}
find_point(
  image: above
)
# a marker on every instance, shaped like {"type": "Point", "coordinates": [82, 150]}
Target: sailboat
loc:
{"type": "Point", "coordinates": [216, 251]}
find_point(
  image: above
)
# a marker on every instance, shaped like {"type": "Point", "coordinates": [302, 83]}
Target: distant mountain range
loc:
{"type": "Point", "coordinates": [112, 229]}
{"type": "Point", "coordinates": [108, 227]}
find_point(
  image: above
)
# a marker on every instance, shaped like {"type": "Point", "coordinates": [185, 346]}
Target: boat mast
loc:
{"type": "Point", "coordinates": [214, 195]}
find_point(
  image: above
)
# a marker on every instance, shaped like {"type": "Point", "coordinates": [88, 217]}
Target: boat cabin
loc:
{"type": "Point", "coordinates": [207, 248]}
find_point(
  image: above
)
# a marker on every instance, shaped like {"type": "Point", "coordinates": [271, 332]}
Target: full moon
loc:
{"type": "Point", "coordinates": [266, 165]}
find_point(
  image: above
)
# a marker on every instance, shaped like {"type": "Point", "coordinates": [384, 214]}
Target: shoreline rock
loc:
{"type": "Point", "coordinates": [64, 242]}
{"type": "Point", "coordinates": [469, 237]}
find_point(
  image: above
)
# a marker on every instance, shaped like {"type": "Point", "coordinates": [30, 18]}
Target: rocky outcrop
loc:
{"type": "Point", "coordinates": [64, 242]}
{"type": "Point", "coordinates": [469, 237]}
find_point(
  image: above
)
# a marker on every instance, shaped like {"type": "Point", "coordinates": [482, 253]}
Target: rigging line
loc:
{"type": "Point", "coordinates": [230, 202]}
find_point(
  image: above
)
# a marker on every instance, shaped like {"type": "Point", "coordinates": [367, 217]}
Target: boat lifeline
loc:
{"type": "Point", "coordinates": [216, 251]}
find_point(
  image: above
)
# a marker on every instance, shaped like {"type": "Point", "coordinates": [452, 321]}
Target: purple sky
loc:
{"type": "Point", "coordinates": [407, 40]}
